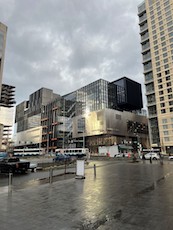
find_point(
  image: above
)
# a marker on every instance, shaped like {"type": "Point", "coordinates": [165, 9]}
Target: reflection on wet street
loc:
{"type": "Point", "coordinates": [123, 195]}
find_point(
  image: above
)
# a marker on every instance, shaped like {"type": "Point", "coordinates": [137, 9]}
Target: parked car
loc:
{"type": "Point", "coordinates": [61, 157]}
{"type": "Point", "coordinates": [3, 155]}
{"type": "Point", "coordinates": [170, 158]}
{"type": "Point", "coordinates": [152, 155]}
{"type": "Point", "coordinates": [13, 165]}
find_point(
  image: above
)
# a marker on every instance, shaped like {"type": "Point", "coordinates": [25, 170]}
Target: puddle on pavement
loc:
{"type": "Point", "coordinates": [101, 221]}
{"type": "Point", "coordinates": [152, 187]}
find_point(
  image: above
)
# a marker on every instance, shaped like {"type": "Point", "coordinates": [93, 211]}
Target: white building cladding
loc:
{"type": "Point", "coordinates": [6, 120]}
{"type": "Point", "coordinates": [28, 137]}
{"type": "Point", "coordinates": [7, 94]}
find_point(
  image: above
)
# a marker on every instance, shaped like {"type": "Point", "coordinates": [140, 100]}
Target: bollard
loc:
{"type": "Point", "coordinates": [10, 178]}
{"type": "Point", "coordinates": [150, 160]}
{"type": "Point", "coordinates": [161, 160]}
{"type": "Point", "coordinates": [65, 167]}
{"type": "Point", "coordinates": [94, 170]}
{"type": "Point", "coordinates": [51, 175]}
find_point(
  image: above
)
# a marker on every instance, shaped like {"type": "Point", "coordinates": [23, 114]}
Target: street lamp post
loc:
{"type": "Point", "coordinates": [47, 143]}
{"type": "Point", "coordinates": [84, 139]}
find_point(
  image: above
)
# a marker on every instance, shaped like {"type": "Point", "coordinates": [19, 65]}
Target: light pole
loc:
{"type": "Point", "coordinates": [47, 143]}
{"type": "Point", "coordinates": [83, 138]}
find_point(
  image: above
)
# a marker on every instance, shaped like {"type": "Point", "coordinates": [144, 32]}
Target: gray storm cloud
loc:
{"type": "Point", "coordinates": [54, 43]}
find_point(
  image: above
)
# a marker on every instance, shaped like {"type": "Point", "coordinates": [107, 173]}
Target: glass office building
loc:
{"type": "Point", "coordinates": [93, 96]}
{"type": "Point", "coordinates": [103, 94]}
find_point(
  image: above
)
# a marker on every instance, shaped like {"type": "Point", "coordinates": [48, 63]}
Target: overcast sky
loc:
{"type": "Point", "coordinates": [66, 44]}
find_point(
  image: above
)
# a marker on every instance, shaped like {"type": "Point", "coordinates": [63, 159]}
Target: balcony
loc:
{"type": "Point", "coordinates": [142, 18]}
{"type": "Point", "coordinates": [151, 91]}
{"type": "Point", "coordinates": [141, 8]}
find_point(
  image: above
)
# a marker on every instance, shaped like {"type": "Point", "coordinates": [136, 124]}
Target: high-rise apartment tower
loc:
{"type": "Point", "coordinates": [3, 34]}
{"type": "Point", "coordinates": [156, 31]}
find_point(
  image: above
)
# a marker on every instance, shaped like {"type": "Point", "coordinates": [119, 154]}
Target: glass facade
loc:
{"type": "Point", "coordinates": [93, 97]}
{"type": "Point", "coordinates": [102, 94]}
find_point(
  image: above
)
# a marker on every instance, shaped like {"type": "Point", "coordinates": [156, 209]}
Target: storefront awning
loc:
{"type": "Point", "coordinates": [128, 147]}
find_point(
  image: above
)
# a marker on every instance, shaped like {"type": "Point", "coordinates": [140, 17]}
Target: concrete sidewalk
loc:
{"type": "Point", "coordinates": [121, 196]}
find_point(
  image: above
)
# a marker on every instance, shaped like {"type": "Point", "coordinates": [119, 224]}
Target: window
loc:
{"type": "Point", "coordinates": [158, 69]}
{"type": "Point", "coordinates": [161, 92]}
{"type": "Point", "coordinates": [165, 126]}
{"type": "Point", "coordinates": [170, 29]}
{"type": "Point", "coordinates": [159, 81]}
{"type": "Point", "coordinates": [166, 133]}
{"type": "Point", "coordinates": [160, 86]}
{"type": "Point", "coordinates": [163, 43]}
{"type": "Point", "coordinates": [159, 13]}
{"type": "Point", "coordinates": [154, 37]}
{"type": "Point", "coordinates": [164, 49]}
{"type": "Point", "coordinates": [170, 102]}
{"type": "Point", "coordinates": [160, 18]}
{"type": "Point", "coordinates": [152, 17]}
{"type": "Point", "coordinates": [152, 22]}
{"type": "Point", "coordinates": [163, 38]}
{"type": "Point", "coordinates": [161, 28]}
{"type": "Point", "coordinates": [170, 96]}
{"type": "Point", "coordinates": [166, 138]}
{"type": "Point", "coordinates": [163, 111]}
{"type": "Point", "coordinates": [162, 33]}
{"type": "Point", "coordinates": [158, 63]}
{"type": "Point", "coordinates": [159, 75]}
{"type": "Point", "coordinates": [165, 60]}
{"type": "Point", "coordinates": [167, 71]}
{"type": "Point", "coordinates": [162, 105]}
{"type": "Point", "coordinates": [153, 27]}
{"type": "Point", "coordinates": [169, 18]}
{"type": "Point", "coordinates": [167, 8]}
{"type": "Point", "coordinates": [169, 23]}
{"type": "Point", "coordinates": [166, 3]}
{"type": "Point", "coordinates": [166, 66]}
{"type": "Point", "coordinates": [156, 53]}
{"type": "Point", "coordinates": [168, 13]}
{"type": "Point", "coordinates": [168, 78]}
{"type": "Point", "coordinates": [171, 109]}
{"type": "Point", "coordinates": [157, 58]}
{"type": "Point", "coordinates": [165, 55]}
{"type": "Point", "coordinates": [168, 84]}
{"type": "Point", "coordinates": [164, 121]}
{"type": "Point", "coordinates": [169, 90]}
{"type": "Point", "coordinates": [161, 98]}
{"type": "Point", "coordinates": [155, 42]}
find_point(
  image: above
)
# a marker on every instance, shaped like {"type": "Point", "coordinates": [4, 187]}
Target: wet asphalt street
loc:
{"type": "Point", "coordinates": [123, 195]}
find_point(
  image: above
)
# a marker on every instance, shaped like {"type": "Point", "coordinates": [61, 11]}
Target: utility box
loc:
{"type": "Point", "coordinates": [80, 169]}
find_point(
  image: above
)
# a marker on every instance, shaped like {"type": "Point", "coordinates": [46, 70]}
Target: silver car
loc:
{"type": "Point", "coordinates": [152, 155]}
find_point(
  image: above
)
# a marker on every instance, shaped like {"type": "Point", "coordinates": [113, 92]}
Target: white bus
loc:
{"type": "Point", "coordinates": [76, 152]}
{"type": "Point", "coordinates": [28, 152]}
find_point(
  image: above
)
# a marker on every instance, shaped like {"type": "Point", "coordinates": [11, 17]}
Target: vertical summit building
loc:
{"type": "Point", "coordinates": [156, 31]}
{"type": "Point", "coordinates": [3, 34]}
